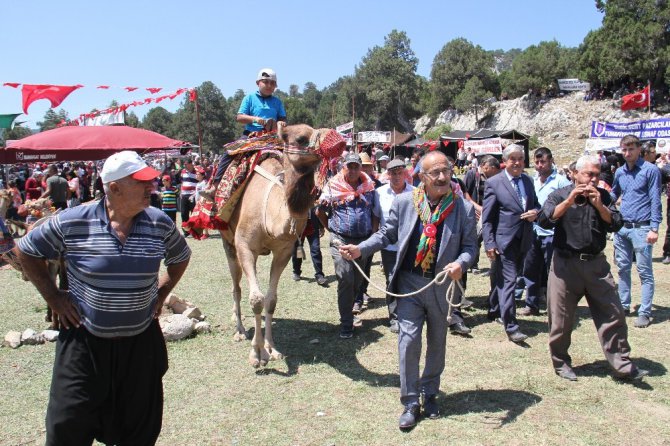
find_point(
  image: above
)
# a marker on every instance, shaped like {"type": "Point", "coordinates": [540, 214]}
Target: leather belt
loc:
{"type": "Point", "coordinates": [420, 272]}
{"type": "Point", "coordinates": [584, 257]}
{"type": "Point", "coordinates": [635, 224]}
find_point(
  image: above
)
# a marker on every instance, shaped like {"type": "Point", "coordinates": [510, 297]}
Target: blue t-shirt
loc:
{"type": "Point", "coordinates": [255, 104]}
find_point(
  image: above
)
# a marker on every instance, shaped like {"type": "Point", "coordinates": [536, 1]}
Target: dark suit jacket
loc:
{"type": "Point", "coordinates": [458, 244]}
{"type": "Point", "coordinates": [501, 213]}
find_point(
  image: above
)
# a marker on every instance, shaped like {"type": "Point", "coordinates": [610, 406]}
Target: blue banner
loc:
{"type": "Point", "coordinates": [649, 129]}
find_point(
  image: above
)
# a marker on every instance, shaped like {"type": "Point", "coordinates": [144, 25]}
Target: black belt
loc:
{"type": "Point", "coordinates": [635, 224]}
{"type": "Point", "coordinates": [364, 237]}
{"type": "Point", "coordinates": [420, 272]}
{"type": "Point", "coordinates": [564, 253]}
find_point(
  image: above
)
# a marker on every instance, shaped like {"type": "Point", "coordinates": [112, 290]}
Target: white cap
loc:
{"type": "Point", "coordinates": [127, 163]}
{"type": "Point", "coordinates": [267, 73]}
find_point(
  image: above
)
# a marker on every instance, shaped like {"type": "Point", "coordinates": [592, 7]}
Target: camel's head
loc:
{"type": "Point", "coordinates": [306, 147]}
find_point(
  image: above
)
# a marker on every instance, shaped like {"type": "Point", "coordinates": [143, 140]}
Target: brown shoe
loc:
{"type": "Point", "coordinates": [528, 311]}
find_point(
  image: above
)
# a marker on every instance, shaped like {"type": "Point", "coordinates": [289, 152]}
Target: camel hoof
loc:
{"type": "Point", "coordinates": [253, 359]}
{"type": "Point", "coordinates": [239, 337]}
{"type": "Point", "coordinates": [265, 357]}
{"type": "Point", "coordinates": [275, 355]}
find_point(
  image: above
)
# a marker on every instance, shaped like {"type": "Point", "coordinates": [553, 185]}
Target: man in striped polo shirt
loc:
{"type": "Point", "coordinates": [110, 355]}
{"type": "Point", "coordinates": [189, 181]}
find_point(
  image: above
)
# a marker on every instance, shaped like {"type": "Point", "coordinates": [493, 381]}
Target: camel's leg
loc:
{"type": "Point", "coordinates": [279, 262]}
{"type": "Point", "coordinates": [236, 276]}
{"type": "Point", "coordinates": [258, 356]}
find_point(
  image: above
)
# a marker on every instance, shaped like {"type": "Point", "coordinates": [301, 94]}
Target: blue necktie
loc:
{"type": "Point", "coordinates": [517, 189]}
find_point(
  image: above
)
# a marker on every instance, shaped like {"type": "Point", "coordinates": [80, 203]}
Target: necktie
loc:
{"type": "Point", "coordinates": [517, 189]}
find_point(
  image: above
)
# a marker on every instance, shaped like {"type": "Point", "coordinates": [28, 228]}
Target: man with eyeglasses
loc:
{"type": "Point", "coordinates": [435, 231]}
{"type": "Point", "coordinates": [582, 215]}
{"type": "Point", "coordinates": [638, 184]}
{"type": "Point", "coordinates": [510, 207]}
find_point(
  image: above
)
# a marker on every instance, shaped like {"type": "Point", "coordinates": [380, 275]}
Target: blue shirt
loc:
{"type": "Point", "coordinates": [542, 190]}
{"type": "Point", "coordinates": [113, 285]}
{"type": "Point", "coordinates": [266, 107]}
{"type": "Point", "coordinates": [640, 192]}
{"type": "Point", "coordinates": [353, 218]}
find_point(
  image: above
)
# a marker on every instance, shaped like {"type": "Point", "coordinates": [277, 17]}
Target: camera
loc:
{"type": "Point", "coordinates": [581, 200]}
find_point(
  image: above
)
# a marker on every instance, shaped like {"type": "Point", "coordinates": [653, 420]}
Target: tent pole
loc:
{"type": "Point", "coordinates": [197, 119]}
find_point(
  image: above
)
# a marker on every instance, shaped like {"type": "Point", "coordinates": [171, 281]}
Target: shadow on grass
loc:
{"type": "Point", "coordinates": [295, 342]}
{"type": "Point", "coordinates": [512, 402]}
{"type": "Point", "coordinates": [601, 368]}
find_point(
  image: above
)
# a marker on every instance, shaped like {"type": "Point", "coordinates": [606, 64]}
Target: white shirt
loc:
{"type": "Point", "coordinates": [383, 203]}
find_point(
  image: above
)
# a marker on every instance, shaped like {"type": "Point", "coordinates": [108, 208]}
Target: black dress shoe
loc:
{"type": "Point", "coordinates": [460, 328]}
{"type": "Point", "coordinates": [568, 374]}
{"type": "Point", "coordinates": [517, 336]}
{"type": "Point", "coordinates": [635, 375]}
{"type": "Point", "coordinates": [430, 408]}
{"type": "Point", "coordinates": [409, 416]}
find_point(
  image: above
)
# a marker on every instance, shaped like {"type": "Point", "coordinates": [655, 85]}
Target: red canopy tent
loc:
{"type": "Point", "coordinates": [75, 143]}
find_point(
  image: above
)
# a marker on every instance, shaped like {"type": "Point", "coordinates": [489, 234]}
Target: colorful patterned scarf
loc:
{"type": "Point", "coordinates": [338, 190]}
{"type": "Point", "coordinates": [425, 251]}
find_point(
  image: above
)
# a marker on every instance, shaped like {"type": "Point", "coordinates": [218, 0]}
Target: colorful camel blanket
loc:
{"type": "Point", "coordinates": [216, 214]}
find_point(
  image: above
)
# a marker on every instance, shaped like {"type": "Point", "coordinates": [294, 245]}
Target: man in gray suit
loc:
{"type": "Point", "coordinates": [436, 231]}
{"type": "Point", "coordinates": [510, 207]}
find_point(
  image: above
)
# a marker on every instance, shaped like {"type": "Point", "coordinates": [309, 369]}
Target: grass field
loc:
{"type": "Point", "coordinates": [345, 392]}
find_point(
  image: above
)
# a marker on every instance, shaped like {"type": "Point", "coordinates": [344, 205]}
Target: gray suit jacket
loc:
{"type": "Point", "coordinates": [459, 238]}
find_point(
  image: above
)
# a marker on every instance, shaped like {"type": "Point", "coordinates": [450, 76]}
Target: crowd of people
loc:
{"type": "Point", "coordinates": [544, 236]}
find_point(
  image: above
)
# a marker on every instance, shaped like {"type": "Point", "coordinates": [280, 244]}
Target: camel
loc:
{"type": "Point", "coordinates": [269, 217]}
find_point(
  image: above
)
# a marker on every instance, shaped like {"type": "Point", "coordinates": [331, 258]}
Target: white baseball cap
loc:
{"type": "Point", "coordinates": [267, 73]}
{"type": "Point", "coordinates": [127, 163]}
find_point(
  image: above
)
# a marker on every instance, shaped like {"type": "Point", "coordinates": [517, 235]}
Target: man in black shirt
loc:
{"type": "Point", "coordinates": [582, 214]}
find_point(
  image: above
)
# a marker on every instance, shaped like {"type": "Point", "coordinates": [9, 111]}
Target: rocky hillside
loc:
{"type": "Point", "coordinates": [562, 124]}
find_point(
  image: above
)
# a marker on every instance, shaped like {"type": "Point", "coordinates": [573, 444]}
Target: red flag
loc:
{"type": "Point", "coordinates": [193, 95]}
{"type": "Point", "coordinates": [154, 90]}
{"type": "Point", "coordinates": [131, 88]}
{"type": "Point", "coordinates": [103, 87]}
{"type": "Point", "coordinates": [11, 84]}
{"type": "Point", "coordinates": [54, 93]}
{"type": "Point", "coordinates": [639, 99]}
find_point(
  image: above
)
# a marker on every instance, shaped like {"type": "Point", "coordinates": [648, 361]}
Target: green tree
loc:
{"type": "Point", "coordinates": [311, 96]}
{"type": "Point", "coordinates": [538, 67]}
{"type": "Point", "coordinates": [472, 96]}
{"type": "Point", "coordinates": [52, 119]}
{"type": "Point", "coordinates": [454, 65]}
{"type": "Point", "coordinates": [158, 120]}
{"type": "Point", "coordinates": [434, 133]}
{"type": "Point", "coordinates": [15, 133]}
{"type": "Point", "coordinates": [293, 91]}
{"type": "Point", "coordinates": [297, 113]}
{"type": "Point", "coordinates": [216, 119]}
{"type": "Point", "coordinates": [132, 120]}
{"type": "Point", "coordinates": [385, 84]}
{"type": "Point", "coordinates": [633, 42]}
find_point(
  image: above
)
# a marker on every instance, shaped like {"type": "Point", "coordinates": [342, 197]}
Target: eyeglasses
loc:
{"type": "Point", "coordinates": [435, 174]}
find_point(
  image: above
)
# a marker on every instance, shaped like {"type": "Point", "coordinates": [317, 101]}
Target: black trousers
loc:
{"type": "Point", "coordinates": [110, 390]}
{"type": "Point", "coordinates": [186, 206]}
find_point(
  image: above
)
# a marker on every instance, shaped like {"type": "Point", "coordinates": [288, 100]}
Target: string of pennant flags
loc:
{"type": "Point", "coordinates": [56, 94]}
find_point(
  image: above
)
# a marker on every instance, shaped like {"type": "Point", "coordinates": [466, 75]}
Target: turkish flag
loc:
{"type": "Point", "coordinates": [54, 93]}
{"type": "Point", "coordinates": [639, 99]}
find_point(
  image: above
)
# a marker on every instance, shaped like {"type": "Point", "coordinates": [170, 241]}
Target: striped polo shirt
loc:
{"type": "Point", "coordinates": [188, 182]}
{"type": "Point", "coordinates": [169, 200]}
{"type": "Point", "coordinates": [113, 285]}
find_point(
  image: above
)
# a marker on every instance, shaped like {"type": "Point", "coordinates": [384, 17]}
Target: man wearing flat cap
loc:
{"type": "Point", "coordinates": [345, 208]}
{"type": "Point", "coordinates": [110, 354]}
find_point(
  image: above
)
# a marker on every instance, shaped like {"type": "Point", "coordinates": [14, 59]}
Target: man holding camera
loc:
{"type": "Point", "coordinates": [582, 214]}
